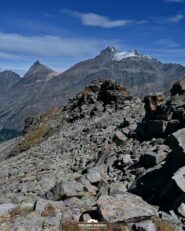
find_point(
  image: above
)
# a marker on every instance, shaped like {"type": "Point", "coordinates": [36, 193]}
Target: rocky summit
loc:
{"type": "Point", "coordinates": [106, 155]}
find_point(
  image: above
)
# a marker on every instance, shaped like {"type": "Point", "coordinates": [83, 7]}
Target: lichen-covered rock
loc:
{"type": "Point", "coordinates": [124, 207]}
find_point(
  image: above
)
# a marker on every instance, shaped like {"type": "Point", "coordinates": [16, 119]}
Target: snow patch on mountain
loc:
{"type": "Point", "coordinates": [118, 56]}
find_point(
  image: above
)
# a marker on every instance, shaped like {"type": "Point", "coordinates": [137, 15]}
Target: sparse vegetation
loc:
{"type": "Point", "coordinates": [164, 226]}
{"type": "Point", "coordinates": [20, 211]}
{"type": "Point", "coordinates": [49, 211]}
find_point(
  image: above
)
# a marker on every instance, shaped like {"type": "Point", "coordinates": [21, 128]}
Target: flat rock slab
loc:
{"type": "Point", "coordinates": [124, 207]}
{"type": "Point", "coordinates": [179, 178]}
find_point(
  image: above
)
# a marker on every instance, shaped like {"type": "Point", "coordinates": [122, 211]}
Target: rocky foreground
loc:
{"type": "Point", "coordinates": [105, 156]}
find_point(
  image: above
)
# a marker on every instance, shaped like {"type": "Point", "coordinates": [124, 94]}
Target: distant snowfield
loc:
{"type": "Point", "coordinates": [118, 56]}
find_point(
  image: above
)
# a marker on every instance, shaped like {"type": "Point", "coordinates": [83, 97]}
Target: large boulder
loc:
{"type": "Point", "coordinates": [66, 189]}
{"type": "Point", "coordinates": [147, 130]}
{"type": "Point", "coordinates": [152, 102]}
{"type": "Point", "coordinates": [179, 178]}
{"type": "Point", "coordinates": [178, 88]}
{"type": "Point", "coordinates": [154, 155]}
{"type": "Point", "coordinates": [124, 207]}
{"type": "Point", "coordinates": [177, 143]}
{"type": "Point", "coordinates": [149, 185]}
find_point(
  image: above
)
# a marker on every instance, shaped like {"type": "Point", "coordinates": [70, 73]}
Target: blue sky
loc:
{"type": "Point", "coordinates": [60, 33]}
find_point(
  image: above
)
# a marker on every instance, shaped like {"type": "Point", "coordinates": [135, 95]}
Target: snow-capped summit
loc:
{"type": "Point", "coordinates": [118, 56]}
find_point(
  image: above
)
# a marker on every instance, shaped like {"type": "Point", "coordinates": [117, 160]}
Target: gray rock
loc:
{"type": "Point", "coordinates": [124, 207]}
{"type": "Point", "coordinates": [119, 138]}
{"type": "Point", "coordinates": [150, 184]}
{"type": "Point", "coordinates": [154, 155]}
{"type": "Point", "coordinates": [179, 178]}
{"type": "Point", "coordinates": [66, 189]}
{"type": "Point", "coordinates": [178, 88]}
{"type": "Point", "coordinates": [181, 209]}
{"type": "Point", "coordinates": [93, 176]}
{"type": "Point", "coordinates": [177, 143]}
{"type": "Point", "coordinates": [151, 129]}
{"type": "Point", "coordinates": [91, 188]}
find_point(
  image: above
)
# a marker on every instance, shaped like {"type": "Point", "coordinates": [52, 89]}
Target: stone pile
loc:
{"type": "Point", "coordinates": [105, 156]}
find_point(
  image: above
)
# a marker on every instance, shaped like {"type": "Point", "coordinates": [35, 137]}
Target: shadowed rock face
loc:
{"type": "Point", "coordinates": [88, 161]}
{"type": "Point", "coordinates": [42, 88]}
{"type": "Point", "coordinates": [178, 88]}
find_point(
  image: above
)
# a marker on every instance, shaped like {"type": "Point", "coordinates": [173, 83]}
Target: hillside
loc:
{"type": "Point", "coordinates": [105, 156]}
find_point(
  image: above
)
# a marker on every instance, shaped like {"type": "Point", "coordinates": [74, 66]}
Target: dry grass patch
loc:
{"type": "Point", "coordinates": [19, 211]}
{"type": "Point", "coordinates": [49, 211]}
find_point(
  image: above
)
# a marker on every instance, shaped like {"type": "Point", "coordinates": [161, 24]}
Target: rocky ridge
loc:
{"type": "Point", "coordinates": [105, 156]}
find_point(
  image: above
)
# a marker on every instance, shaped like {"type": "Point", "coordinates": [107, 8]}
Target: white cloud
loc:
{"type": "Point", "coordinates": [58, 52]}
{"type": "Point", "coordinates": [96, 20]}
{"type": "Point", "coordinates": [50, 46]}
{"type": "Point", "coordinates": [175, 19]}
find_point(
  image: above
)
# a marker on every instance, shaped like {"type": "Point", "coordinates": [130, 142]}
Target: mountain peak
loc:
{"type": "Point", "coordinates": [108, 51]}
{"type": "Point", "coordinates": [134, 52]}
{"type": "Point", "coordinates": [8, 79]}
{"type": "Point", "coordinates": [38, 69]}
{"type": "Point", "coordinates": [36, 63]}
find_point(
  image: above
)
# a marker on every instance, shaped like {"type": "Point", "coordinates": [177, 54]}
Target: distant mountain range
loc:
{"type": "Point", "coordinates": [42, 88]}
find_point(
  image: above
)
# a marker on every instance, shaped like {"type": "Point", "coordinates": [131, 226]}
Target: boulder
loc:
{"type": "Point", "coordinates": [93, 176]}
{"type": "Point", "coordinates": [149, 185]}
{"type": "Point", "coordinates": [151, 129]}
{"type": "Point", "coordinates": [173, 126]}
{"type": "Point", "coordinates": [66, 189]}
{"type": "Point", "coordinates": [153, 156]}
{"type": "Point", "coordinates": [179, 178]}
{"type": "Point", "coordinates": [83, 204]}
{"type": "Point", "coordinates": [178, 88]}
{"type": "Point", "coordinates": [181, 209]}
{"type": "Point", "coordinates": [91, 188]}
{"type": "Point", "coordinates": [179, 205]}
{"type": "Point", "coordinates": [119, 138]}
{"type": "Point", "coordinates": [177, 143]}
{"type": "Point", "coordinates": [153, 101]}
{"type": "Point", "coordinates": [124, 207]}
